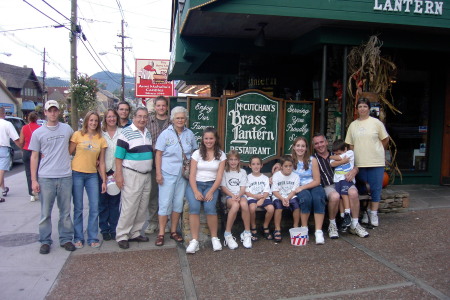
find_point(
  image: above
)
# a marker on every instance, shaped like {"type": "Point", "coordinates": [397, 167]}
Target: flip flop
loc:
{"type": "Point", "coordinates": [5, 192]}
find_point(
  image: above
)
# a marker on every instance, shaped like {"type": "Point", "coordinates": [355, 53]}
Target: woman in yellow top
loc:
{"type": "Point", "coordinates": [89, 147]}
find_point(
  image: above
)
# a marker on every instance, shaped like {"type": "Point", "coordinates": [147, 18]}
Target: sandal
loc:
{"type": "Point", "coordinates": [2, 200]}
{"type": "Point", "coordinates": [159, 240]}
{"type": "Point", "coordinates": [78, 245]}
{"type": "Point", "coordinates": [175, 236]}
{"type": "Point", "coordinates": [277, 236]}
{"type": "Point", "coordinates": [254, 234]}
{"type": "Point", "coordinates": [5, 191]}
{"type": "Point", "coordinates": [267, 234]}
{"type": "Point", "coordinates": [95, 244]}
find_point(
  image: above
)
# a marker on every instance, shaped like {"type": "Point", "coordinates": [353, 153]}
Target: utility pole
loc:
{"type": "Point", "coordinates": [43, 80]}
{"type": "Point", "coordinates": [73, 63]}
{"type": "Point", "coordinates": [123, 37]}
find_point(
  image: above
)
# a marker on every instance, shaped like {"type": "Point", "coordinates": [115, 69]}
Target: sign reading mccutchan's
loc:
{"type": "Point", "coordinates": [252, 125]}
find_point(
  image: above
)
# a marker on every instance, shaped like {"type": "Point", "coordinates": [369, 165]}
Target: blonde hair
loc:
{"type": "Point", "coordinates": [230, 154]}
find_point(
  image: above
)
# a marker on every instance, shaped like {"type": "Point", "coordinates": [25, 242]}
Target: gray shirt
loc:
{"type": "Point", "coordinates": [53, 143]}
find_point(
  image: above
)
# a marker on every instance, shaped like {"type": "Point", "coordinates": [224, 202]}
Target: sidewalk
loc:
{"type": "Point", "coordinates": [407, 257]}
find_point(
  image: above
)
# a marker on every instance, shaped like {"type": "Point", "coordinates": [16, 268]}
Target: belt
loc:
{"type": "Point", "coordinates": [136, 170]}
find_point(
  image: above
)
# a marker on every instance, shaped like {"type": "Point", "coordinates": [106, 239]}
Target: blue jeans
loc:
{"type": "Point", "coordinates": [59, 188]}
{"type": "Point", "coordinates": [312, 199]}
{"type": "Point", "coordinates": [171, 194]}
{"type": "Point", "coordinates": [108, 211]}
{"type": "Point", "coordinates": [374, 177]}
{"type": "Point", "coordinates": [194, 205]}
{"type": "Point", "coordinates": [88, 181]}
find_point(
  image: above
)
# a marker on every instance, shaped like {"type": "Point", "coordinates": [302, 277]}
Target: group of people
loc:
{"type": "Point", "coordinates": [144, 158]}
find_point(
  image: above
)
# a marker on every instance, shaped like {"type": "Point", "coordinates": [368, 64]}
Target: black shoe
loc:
{"type": "Point", "coordinates": [69, 246]}
{"type": "Point", "coordinates": [347, 220]}
{"type": "Point", "coordinates": [113, 235]}
{"type": "Point", "coordinates": [123, 244]}
{"type": "Point", "coordinates": [139, 239]}
{"type": "Point", "coordinates": [5, 191]}
{"type": "Point", "coordinates": [45, 249]}
{"type": "Point", "coordinates": [106, 236]}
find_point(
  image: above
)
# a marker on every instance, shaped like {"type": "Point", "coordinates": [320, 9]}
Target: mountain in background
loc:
{"type": "Point", "coordinates": [112, 82]}
{"type": "Point", "coordinates": [106, 81]}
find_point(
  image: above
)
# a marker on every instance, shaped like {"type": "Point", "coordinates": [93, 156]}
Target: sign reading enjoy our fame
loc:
{"type": "Point", "coordinates": [203, 112]}
{"type": "Point", "coordinates": [251, 125]}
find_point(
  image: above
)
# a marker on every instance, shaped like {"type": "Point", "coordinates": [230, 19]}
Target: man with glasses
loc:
{"type": "Point", "coordinates": [134, 160]}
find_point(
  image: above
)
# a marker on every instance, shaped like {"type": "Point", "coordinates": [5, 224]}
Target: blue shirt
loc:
{"type": "Point", "coordinates": [168, 144]}
{"type": "Point", "coordinates": [306, 176]}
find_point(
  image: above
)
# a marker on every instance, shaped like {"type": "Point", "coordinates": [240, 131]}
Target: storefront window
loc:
{"type": "Point", "coordinates": [409, 130]}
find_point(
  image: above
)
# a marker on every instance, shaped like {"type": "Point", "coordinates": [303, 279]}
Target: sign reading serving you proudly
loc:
{"type": "Point", "coordinates": [299, 121]}
{"type": "Point", "coordinates": [252, 125]}
{"type": "Point", "coordinates": [203, 112]}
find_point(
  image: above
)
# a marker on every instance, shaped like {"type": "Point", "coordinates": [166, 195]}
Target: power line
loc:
{"type": "Point", "coordinates": [19, 29]}
{"type": "Point", "coordinates": [57, 11]}
{"type": "Point", "coordinates": [44, 13]}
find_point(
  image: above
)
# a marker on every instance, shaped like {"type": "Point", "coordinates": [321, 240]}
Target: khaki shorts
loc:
{"type": "Point", "coordinates": [331, 188]}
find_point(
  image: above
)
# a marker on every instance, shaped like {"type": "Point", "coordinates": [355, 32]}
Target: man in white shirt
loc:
{"type": "Point", "coordinates": [7, 131]}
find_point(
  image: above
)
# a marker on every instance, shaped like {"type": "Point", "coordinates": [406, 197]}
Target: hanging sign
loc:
{"type": "Point", "coordinates": [151, 78]}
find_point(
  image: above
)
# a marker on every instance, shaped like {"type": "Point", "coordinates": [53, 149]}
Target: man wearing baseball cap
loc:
{"type": "Point", "coordinates": [51, 141]}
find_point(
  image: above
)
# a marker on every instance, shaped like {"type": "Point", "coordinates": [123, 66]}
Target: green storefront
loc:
{"type": "Point", "coordinates": [298, 50]}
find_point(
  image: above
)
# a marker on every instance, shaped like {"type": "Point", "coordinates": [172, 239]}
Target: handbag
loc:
{"type": "Point", "coordinates": [186, 168]}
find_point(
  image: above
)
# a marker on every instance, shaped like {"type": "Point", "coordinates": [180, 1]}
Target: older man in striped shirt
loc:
{"type": "Point", "coordinates": [134, 159]}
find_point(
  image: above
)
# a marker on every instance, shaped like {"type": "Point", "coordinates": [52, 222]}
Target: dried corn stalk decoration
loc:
{"type": "Point", "coordinates": [371, 75]}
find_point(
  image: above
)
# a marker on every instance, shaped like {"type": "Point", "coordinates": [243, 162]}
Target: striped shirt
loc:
{"type": "Point", "coordinates": [326, 171]}
{"type": "Point", "coordinates": [135, 149]}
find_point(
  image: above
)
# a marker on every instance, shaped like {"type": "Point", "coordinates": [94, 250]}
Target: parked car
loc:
{"type": "Point", "coordinates": [16, 153]}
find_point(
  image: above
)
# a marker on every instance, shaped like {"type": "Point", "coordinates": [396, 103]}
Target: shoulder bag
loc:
{"type": "Point", "coordinates": [186, 168]}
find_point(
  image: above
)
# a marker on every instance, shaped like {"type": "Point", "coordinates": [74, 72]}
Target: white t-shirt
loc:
{"type": "Point", "coordinates": [7, 131]}
{"type": "Point", "coordinates": [340, 171]}
{"type": "Point", "coordinates": [284, 184]}
{"type": "Point", "coordinates": [234, 180]}
{"type": "Point", "coordinates": [207, 170]}
{"type": "Point", "coordinates": [257, 184]}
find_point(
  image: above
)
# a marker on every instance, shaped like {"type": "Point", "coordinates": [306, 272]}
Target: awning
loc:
{"type": "Point", "coordinates": [28, 105]}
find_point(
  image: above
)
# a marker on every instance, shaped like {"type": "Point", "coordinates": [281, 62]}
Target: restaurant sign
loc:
{"type": "Point", "coordinates": [151, 78]}
{"type": "Point", "coordinates": [251, 125]}
{"type": "Point", "coordinates": [410, 6]}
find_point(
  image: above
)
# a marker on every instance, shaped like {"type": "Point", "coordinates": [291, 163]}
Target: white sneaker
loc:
{"type": "Point", "coordinates": [319, 237]}
{"type": "Point", "coordinates": [217, 245]}
{"type": "Point", "coordinates": [246, 239]}
{"type": "Point", "coordinates": [359, 231]}
{"type": "Point", "coordinates": [365, 218]}
{"type": "Point", "coordinates": [231, 242]}
{"type": "Point", "coordinates": [193, 246]}
{"type": "Point", "coordinates": [374, 220]}
{"type": "Point", "coordinates": [32, 198]}
{"type": "Point", "coordinates": [333, 231]}
{"type": "Point", "coordinates": [151, 228]}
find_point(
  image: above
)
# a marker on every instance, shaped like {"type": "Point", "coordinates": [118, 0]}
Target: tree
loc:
{"type": "Point", "coordinates": [84, 92]}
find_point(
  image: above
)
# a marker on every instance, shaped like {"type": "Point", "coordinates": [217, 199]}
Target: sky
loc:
{"type": "Point", "coordinates": [147, 24]}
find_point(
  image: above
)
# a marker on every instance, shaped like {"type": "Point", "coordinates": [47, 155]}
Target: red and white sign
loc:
{"type": "Point", "coordinates": [151, 78]}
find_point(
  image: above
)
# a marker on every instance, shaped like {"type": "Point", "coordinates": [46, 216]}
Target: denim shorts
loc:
{"type": "Point", "coordinates": [208, 206]}
{"type": "Point", "coordinates": [343, 186]}
{"type": "Point", "coordinates": [293, 204]}
{"type": "Point", "coordinates": [265, 203]}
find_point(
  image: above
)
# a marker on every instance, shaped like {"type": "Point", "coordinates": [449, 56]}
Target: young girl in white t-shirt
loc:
{"type": "Point", "coordinates": [258, 195]}
{"type": "Point", "coordinates": [207, 165]}
{"type": "Point", "coordinates": [233, 185]}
